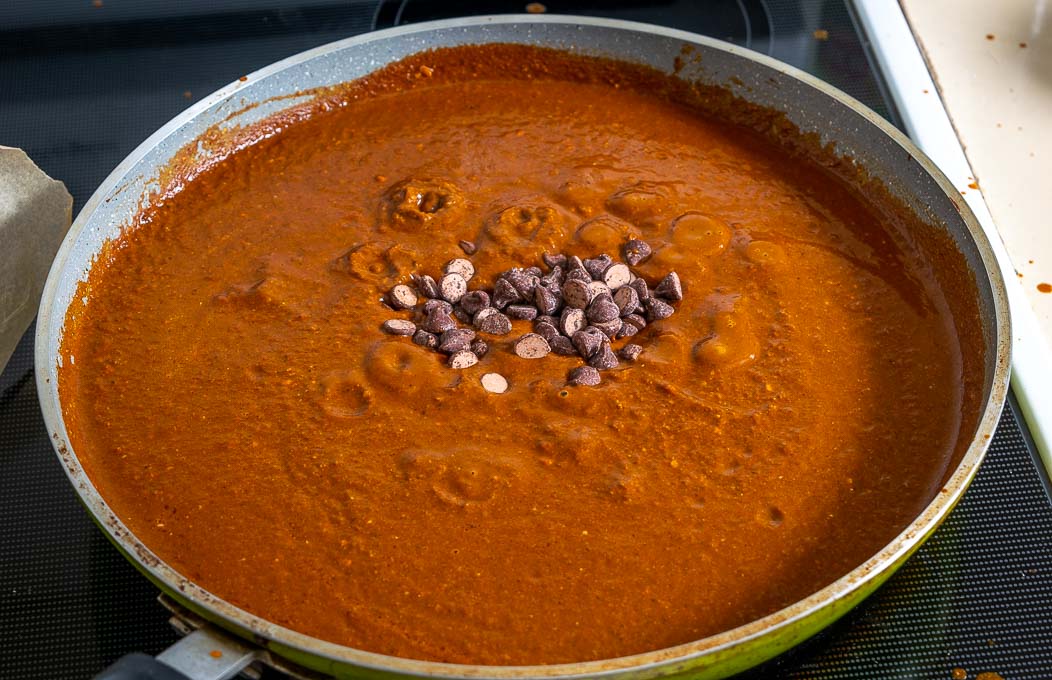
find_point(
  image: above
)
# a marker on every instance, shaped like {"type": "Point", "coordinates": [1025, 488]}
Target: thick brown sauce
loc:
{"type": "Point", "coordinates": [229, 393]}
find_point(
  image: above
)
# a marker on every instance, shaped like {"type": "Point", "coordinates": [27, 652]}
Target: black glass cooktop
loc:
{"type": "Point", "coordinates": [82, 82]}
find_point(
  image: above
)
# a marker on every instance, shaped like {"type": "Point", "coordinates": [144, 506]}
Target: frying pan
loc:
{"type": "Point", "coordinates": [810, 104]}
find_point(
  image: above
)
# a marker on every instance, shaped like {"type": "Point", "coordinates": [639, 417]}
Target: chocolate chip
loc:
{"type": "Point", "coordinates": [495, 383]}
{"type": "Point", "coordinates": [452, 287]}
{"type": "Point", "coordinates": [534, 271]}
{"type": "Point", "coordinates": [527, 312]}
{"type": "Point", "coordinates": [630, 352]}
{"type": "Point", "coordinates": [617, 275]}
{"type": "Point", "coordinates": [670, 288]}
{"type": "Point", "coordinates": [577, 275]}
{"type": "Point", "coordinates": [546, 318]}
{"type": "Point", "coordinates": [455, 340]}
{"type": "Point", "coordinates": [641, 288]}
{"type": "Point", "coordinates": [460, 266]}
{"type": "Point", "coordinates": [598, 288]}
{"type": "Point", "coordinates": [584, 375]}
{"type": "Point", "coordinates": [439, 321]}
{"type": "Point", "coordinates": [426, 285]}
{"type": "Point", "coordinates": [398, 327]}
{"type": "Point", "coordinates": [524, 282]}
{"type": "Point", "coordinates": [504, 293]}
{"type": "Point", "coordinates": [576, 293]}
{"type": "Point", "coordinates": [562, 346]}
{"type": "Point", "coordinates": [425, 339]}
{"type": "Point", "coordinates": [546, 330]}
{"type": "Point", "coordinates": [402, 297]}
{"type": "Point", "coordinates": [553, 260]}
{"type": "Point", "coordinates": [461, 315]}
{"type": "Point", "coordinates": [627, 300]}
{"type": "Point", "coordinates": [475, 300]}
{"type": "Point", "coordinates": [547, 302]}
{"type": "Point", "coordinates": [554, 279]}
{"type": "Point", "coordinates": [479, 347]}
{"type": "Point", "coordinates": [532, 346]}
{"type": "Point", "coordinates": [626, 330]}
{"type": "Point", "coordinates": [635, 320]}
{"type": "Point", "coordinates": [462, 359]}
{"type": "Point", "coordinates": [431, 305]}
{"type": "Point", "coordinates": [602, 308]}
{"type": "Point", "coordinates": [490, 320]}
{"type": "Point", "coordinates": [587, 341]}
{"type": "Point", "coordinates": [595, 266]}
{"type": "Point", "coordinates": [609, 328]}
{"type": "Point", "coordinates": [571, 321]}
{"type": "Point", "coordinates": [604, 358]}
{"type": "Point", "coordinates": [636, 251]}
{"type": "Point", "coordinates": [469, 247]}
{"type": "Point", "coordinates": [657, 309]}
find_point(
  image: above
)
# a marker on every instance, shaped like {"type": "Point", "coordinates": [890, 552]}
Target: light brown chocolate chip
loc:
{"type": "Point", "coordinates": [465, 358]}
{"type": "Point", "coordinates": [670, 288]}
{"type": "Point", "coordinates": [532, 346]}
{"type": "Point", "coordinates": [630, 352]}
{"type": "Point", "coordinates": [469, 247]}
{"type": "Point", "coordinates": [627, 300]}
{"type": "Point", "coordinates": [576, 293]}
{"type": "Point", "coordinates": [495, 383]}
{"type": "Point", "coordinates": [617, 275]}
{"type": "Point", "coordinates": [455, 340]}
{"type": "Point", "coordinates": [426, 285]}
{"type": "Point", "coordinates": [398, 327]}
{"type": "Point", "coordinates": [460, 266]}
{"type": "Point", "coordinates": [571, 321]}
{"type": "Point", "coordinates": [402, 297]}
{"type": "Point", "coordinates": [452, 287]}
{"type": "Point", "coordinates": [585, 375]}
{"type": "Point", "coordinates": [490, 320]}
{"type": "Point", "coordinates": [527, 312]}
{"type": "Point", "coordinates": [636, 251]}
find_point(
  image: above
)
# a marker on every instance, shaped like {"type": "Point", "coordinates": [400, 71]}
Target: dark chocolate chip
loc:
{"type": "Point", "coordinates": [425, 285]}
{"type": "Point", "coordinates": [402, 297]}
{"type": "Point", "coordinates": [561, 345]}
{"type": "Point", "coordinates": [627, 300]}
{"type": "Point", "coordinates": [604, 358]}
{"type": "Point", "coordinates": [553, 260]}
{"type": "Point", "coordinates": [602, 308]}
{"type": "Point", "coordinates": [571, 321]}
{"type": "Point", "coordinates": [630, 352]}
{"type": "Point", "coordinates": [492, 322]}
{"type": "Point", "coordinates": [474, 301]}
{"type": "Point", "coordinates": [452, 286]}
{"type": "Point", "coordinates": [527, 312]}
{"type": "Point", "coordinates": [657, 309]}
{"type": "Point", "coordinates": [636, 320]}
{"type": "Point", "coordinates": [636, 251]}
{"type": "Point", "coordinates": [576, 275]}
{"type": "Point", "coordinates": [626, 330]}
{"type": "Point", "coordinates": [546, 330]}
{"type": "Point", "coordinates": [479, 347]}
{"type": "Point", "coordinates": [595, 266]}
{"type": "Point", "coordinates": [462, 359]}
{"type": "Point", "coordinates": [641, 288]}
{"type": "Point", "coordinates": [439, 321]}
{"type": "Point", "coordinates": [576, 293]}
{"type": "Point", "coordinates": [455, 340]}
{"type": "Point", "coordinates": [609, 328]}
{"type": "Point", "coordinates": [534, 271]}
{"type": "Point", "coordinates": [461, 315]}
{"type": "Point", "coordinates": [435, 304]}
{"type": "Point", "coordinates": [617, 275]}
{"type": "Point", "coordinates": [425, 339]}
{"type": "Point", "coordinates": [553, 279]}
{"type": "Point", "coordinates": [670, 288]}
{"type": "Point", "coordinates": [504, 293]}
{"type": "Point", "coordinates": [398, 327]}
{"type": "Point", "coordinates": [584, 375]}
{"type": "Point", "coordinates": [469, 247]}
{"type": "Point", "coordinates": [547, 302]}
{"type": "Point", "coordinates": [532, 346]}
{"type": "Point", "coordinates": [587, 341]}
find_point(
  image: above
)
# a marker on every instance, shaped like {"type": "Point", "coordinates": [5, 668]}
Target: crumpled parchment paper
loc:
{"type": "Point", "coordinates": [35, 214]}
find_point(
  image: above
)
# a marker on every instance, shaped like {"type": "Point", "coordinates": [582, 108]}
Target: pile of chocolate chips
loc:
{"type": "Point", "coordinates": [577, 307]}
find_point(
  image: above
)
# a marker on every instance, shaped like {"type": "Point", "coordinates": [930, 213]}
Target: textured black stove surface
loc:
{"type": "Point", "coordinates": [82, 83]}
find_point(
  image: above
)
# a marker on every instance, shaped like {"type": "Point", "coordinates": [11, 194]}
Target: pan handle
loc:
{"type": "Point", "coordinates": [205, 654]}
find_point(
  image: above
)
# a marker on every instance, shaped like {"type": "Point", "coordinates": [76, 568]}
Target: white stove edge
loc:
{"type": "Point", "coordinates": [928, 124]}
